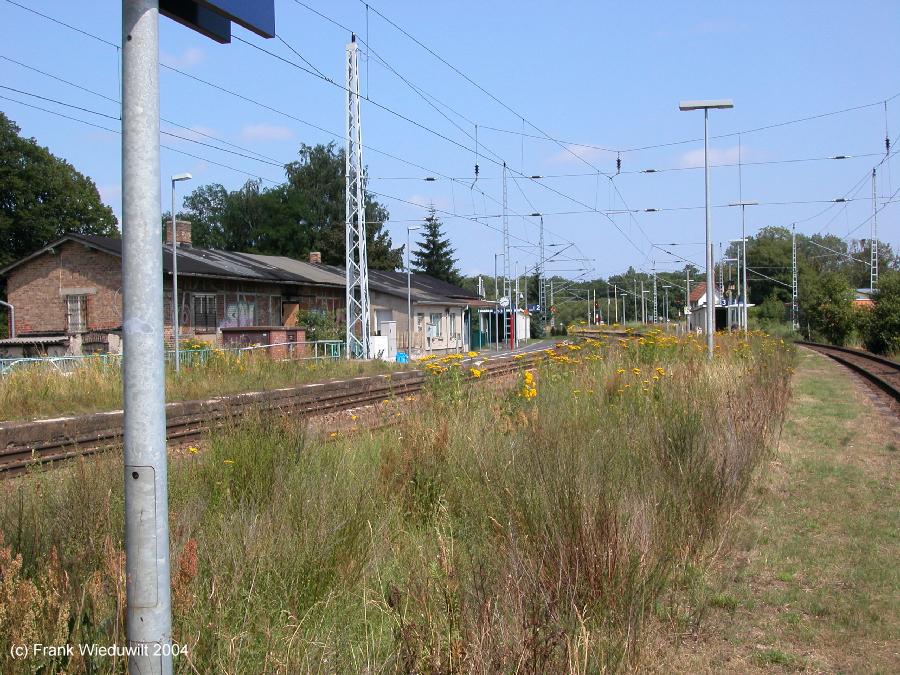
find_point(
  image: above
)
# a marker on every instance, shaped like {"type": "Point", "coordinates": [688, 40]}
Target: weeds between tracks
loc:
{"type": "Point", "coordinates": [533, 529]}
{"type": "Point", "coordinates": [34, 392]}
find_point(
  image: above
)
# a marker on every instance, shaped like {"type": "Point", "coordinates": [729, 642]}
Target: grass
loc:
{"type": "Point", "coordinates": [35, 392]}
{"type": "Point", "coordinates": [813, 567]}
{"type": "Point", "coordinates": [535, 529]}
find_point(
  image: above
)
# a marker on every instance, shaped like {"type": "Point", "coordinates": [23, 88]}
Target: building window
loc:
{"type": "Point", "coordinates": [205, 319]}
{"type": "Point", "coordinates": [436, 322]}
{"type": "Point", "coordinates": [76, 313]}
{"type": "Point", "coordinates": [453, 333]}
{"type": "Point", "coordinates": [420, 322]}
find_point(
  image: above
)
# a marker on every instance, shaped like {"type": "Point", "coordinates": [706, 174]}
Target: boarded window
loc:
{"type": "Point", "coordinates": [205, 320]}
{"type": "Point", "coordinates": [76, 313]}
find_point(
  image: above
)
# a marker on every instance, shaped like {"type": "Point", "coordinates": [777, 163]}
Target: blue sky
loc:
{"type": "Point", "coordinates": [604, 74]}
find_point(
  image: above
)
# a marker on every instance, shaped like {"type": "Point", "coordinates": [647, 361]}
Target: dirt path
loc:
{"type": "Point", "coordinates": [810, 580]}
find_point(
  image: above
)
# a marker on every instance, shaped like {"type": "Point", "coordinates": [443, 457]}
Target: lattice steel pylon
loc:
{"type": "Point", "coordinates": [542, 291]}
{"type": "Point", "coordinates": [795, 319]}
{"type": "Point", "coordinates": [873, 238]}
{"type": "Point", "coordinates": [506, 263]}
{"type": "Point", "coordinates": [358, 336]}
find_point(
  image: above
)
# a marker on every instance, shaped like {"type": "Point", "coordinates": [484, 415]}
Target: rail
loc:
{"type": "Point", "coordinates": [311, 350]}
{"type": "Point", "coordinates": [24, 444]}
{"type": "Point", "coordinates": [882, 372]}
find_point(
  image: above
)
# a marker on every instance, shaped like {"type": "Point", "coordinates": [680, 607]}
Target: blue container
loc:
{"type": "Point", "coordinates": [402, 357]}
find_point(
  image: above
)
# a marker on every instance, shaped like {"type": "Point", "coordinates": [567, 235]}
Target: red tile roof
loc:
{"type": "Point", "coordinates": [697, 291]}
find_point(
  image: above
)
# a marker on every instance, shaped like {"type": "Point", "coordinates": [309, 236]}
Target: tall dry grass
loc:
{"type": "Point", "coordinates": [43, 391]}
{"type": "Point", "coordinates": [492, 532]}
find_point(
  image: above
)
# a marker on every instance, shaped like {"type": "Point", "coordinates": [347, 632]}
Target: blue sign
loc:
{"type": "Point", "coordinates": [254, 15]}
{"type": "Point", "coordinates": [213, 18]}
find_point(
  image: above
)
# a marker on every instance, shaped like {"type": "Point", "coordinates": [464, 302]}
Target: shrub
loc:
{"type": "Point", "coordinates": [828, 309]}
{"type": "Point", "coordinates": [882, 323]}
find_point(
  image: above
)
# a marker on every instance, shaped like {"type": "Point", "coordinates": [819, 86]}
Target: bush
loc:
{"type": "Point", "coordinates": [828, 309]}
{"type": "Point", "coordinates": [881, 325]}
{"type": "Point", "coordinates": [318, 324]}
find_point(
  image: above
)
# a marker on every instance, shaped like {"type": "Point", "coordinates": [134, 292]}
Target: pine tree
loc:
{"type": "Point", "coordinates": [434, 255]}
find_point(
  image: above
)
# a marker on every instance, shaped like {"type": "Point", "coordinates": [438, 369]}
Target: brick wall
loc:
{"type": "Point", "coordinates": [37, 289]}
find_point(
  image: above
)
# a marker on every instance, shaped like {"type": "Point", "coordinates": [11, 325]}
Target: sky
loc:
{"type": "Point", "coordinates": [587, 82]}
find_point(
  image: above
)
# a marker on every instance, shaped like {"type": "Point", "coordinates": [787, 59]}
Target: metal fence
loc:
{"type": "Point", "coordinates": [318, 350]}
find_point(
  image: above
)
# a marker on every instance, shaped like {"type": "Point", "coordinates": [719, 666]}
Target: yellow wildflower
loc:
{"type": "Point", "coordinates": [472, 355]}
{"type": "Point", "coordinates": [193, 450]}
{"type": "Point", "coordinates": [636, 371]}
{"type": "Point", "coordinates": [475, 372]}
{"type": "Point", "coordinates": [228, 461]}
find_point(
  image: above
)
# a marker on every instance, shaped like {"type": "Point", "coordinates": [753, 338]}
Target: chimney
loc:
{"type": "Point", "coordinates": [315, 258]}
{"type": "Point", "coordinates": [182, 232]}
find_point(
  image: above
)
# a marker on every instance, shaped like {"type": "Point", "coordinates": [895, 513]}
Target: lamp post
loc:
{"type": "Point", "coordinates": [738, 290]}
{"type": "Point", "coordinates": [745, 317]}
{"type": "Point", "coordinates": [409, 316]}
{"type": "Point", "coordinates": [176, 330]}
{"type": "Point", "coordinates": [666, 288]}
{"type": "Point", "coordinates": [705, 106]}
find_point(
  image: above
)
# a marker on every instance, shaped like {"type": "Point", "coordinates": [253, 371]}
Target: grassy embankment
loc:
{"type": "Point", "coordinates": [536, 529]}
{"type": "Point", "coordinates": [812, 582]}
{"type": "Point", "coordinates": [35, 392]}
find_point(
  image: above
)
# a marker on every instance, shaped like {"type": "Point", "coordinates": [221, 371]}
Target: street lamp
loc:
{"type": "Point", "coordinates": [666, 288]}
{"type": "Point", "coordinates": [745, 316]}
{"type": "Point", "coordinates": [705, 106]}
{"type": "Point", "coordinates": [409, 229]}
{"type": "Point", "coordinates": [176, 330]}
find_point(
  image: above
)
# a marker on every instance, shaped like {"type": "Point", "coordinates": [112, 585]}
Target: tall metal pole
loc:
{"type": "Point", "coordinates": [496, 285]}
{"type": "Point", "coordinates": [409, 316]}
{"type": "Point", "coordinates": [176, 331]}
{"type": "Point", "coordinates": [357, 298]}
{"type": "Point", "coordinates": [616, 301]}
{"type": "Point", "coordinates": [542, 291]}
{"type": "Point", "coordinates": [795, 314]}
{"type": "Point", "coordinates": [643, 304]}
{"type": "Point", "coordinates": [634, 279]}
{"type": "Point", "coordinates": [515, 314]}
{"type": "Point", "coordinates": [687, 298]}
{"type": "Point", "coordinates": [608, 312]}
{"type": "Point", "coordinates": [148, 620]}
{"type": "Point", "coordinates": [873, 239]}
{"type": "Point", "coordinates": [710, 280]}
{"type": "Point", "coordinates": [746, 315]}
{"type": "Point", "coordinates": [655, 303]}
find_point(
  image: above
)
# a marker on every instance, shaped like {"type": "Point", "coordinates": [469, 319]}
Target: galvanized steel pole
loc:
{"type": "Point", "coordinates": [710, 280]}
{"type": "Point", "coordinates": [148, 599]}
{"type": "Point", "coordinates": [176, 330]}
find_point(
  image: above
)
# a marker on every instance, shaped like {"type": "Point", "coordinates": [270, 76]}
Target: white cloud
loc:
{"type": "Point", "coordinates": [266, 132]}
{"type": "Point", "coordinates": [186, 59]}
{"type": "Point", "coordinates": [571, 154]}
{"type": "Point", "coordinates": [716, 156]}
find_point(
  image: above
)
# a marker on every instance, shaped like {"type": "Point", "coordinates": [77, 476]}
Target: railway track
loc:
{"type": "Point", "coordinates": [882, 372]}
{"type": "Point", "coordinates": [25, 444]}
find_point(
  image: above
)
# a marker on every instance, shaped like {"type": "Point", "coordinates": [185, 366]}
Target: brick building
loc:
{"type": "Point", "coordinates": [73, 288]}
{"type": "Point", "coordinates": [68, 298]}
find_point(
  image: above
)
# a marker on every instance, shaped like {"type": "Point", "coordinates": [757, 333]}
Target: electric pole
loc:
{"type": "Point", "coordinates": [873, 238]}
{"type": "Point", "coordinates": [148, 606]}
{"type": "Point", "coordinates": [357, 303]}
{"type": "Point", "coordinates": [506, 282]}
{"type": "Point", "coordinates": [795, 317]}
{"type": "Point", "coordinates": [655, 304]}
